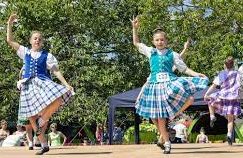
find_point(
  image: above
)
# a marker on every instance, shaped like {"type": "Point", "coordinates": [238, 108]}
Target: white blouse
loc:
{"type": "Point", "coordinates": [178, 62]}
{"type": "Point", "coordinates": [50, 62]}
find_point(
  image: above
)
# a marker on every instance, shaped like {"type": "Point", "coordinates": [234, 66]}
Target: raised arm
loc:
{"type": "Point", "coordinates": [182, 54]}
{"type": "Point", "coordinates": [135, 25]}
{"type": "Point", "coordinates": [190, 72]}
{"type": "Point", "coordinates": [10, 39]}
{"type": "Point", "coordinates": [186, 46]}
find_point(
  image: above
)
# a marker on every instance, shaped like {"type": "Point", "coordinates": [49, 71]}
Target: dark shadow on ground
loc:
{"type": "Point", "coordinates": [207, 152]}
{"type": "Point", "coordinates": [192, 148]}
{"type": "Point", "coordinates": [76, 153]}
{"type": "Point", "coordinates": [56, 148]}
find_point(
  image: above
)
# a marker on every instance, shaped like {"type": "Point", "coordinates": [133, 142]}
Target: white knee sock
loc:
{"type": "Point", "coordinates": [30, 144]}
{"type": "Point", "coordinates": [229, 134]}
{"type": "Point", "coordinates": [44, 145]}
{"type": "Point", "coordinates": [212, 117]}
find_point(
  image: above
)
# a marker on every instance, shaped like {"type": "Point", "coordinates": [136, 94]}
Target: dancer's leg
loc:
{"type": "Point", "coordinates": [29, 136]}
{"type": "Point", "coordinates": [188, 103]}
{"type": "Point", "coordinates": [50, 110]}
{"type": "Point", "coordinates": [212, 115]}
{"type": "Point", "coordinates": [230, 125]}
{"type": "Point", "coordinates": [43, 141]}
{"type": "Point", "coordinates": [165, 135]}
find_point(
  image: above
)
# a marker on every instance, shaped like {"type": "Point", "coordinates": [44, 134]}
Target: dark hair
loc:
{"type": "Point", "coordinates": [53, 125]}
{"type": "Point", "coordinates": [229, 62]}
{"type": "Point", "coordinates": [3, 122]}
{"type": "Point", "coordinates": [202, 130]}
{"type": "Point", "coordinates": [157, 30]}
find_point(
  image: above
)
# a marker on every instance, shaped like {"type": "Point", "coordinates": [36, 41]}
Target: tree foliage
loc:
{"type": "Point", "coordinates": [93, 42]}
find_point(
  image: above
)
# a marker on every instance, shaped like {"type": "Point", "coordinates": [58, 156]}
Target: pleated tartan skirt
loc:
{"type": "Point", "coordinates": [224, 106]}
{"type": "Point", "coordinates": [36, 94]}
{"type": "Point", "coordinates": [165, 99]}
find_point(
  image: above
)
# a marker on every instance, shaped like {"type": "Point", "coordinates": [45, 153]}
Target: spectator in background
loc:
{"type": "Point", "coordinates": [54, 137]}
{"type": "Point", "coordinates": [3, 131]}
{"type": "Point", "coordinates": [22, 133]}
{"type": "Point", "coordinates": [99, 134]}
{"type": "Point", "coordinates": [105, 135]}
{"type": "Point", "coordinates": [181, 132]}
{"type": "Point", "coordinates": [117, 135]}
{"type": "Point", "coordinates": [202, 137]}
{"type": "Point", "coordinates": [187, 121]}
{"type": "Point", "coordinates": [16, 139]}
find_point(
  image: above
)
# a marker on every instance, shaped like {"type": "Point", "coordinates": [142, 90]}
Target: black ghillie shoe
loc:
{"type": "Point", "coordinates": [42, 151]}
{"type": "Point", "coordinates": [161, 145]}
{"type": "Point", "coordinates": [167, 148]}
{"type": "Point", "coordinates": [31, 148]}
{"type": "Point", "coordinates": [229, 140]}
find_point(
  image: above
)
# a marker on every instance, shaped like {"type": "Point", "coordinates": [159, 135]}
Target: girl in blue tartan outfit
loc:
{"type": "Point", "coordinates": [165, 95]}
{"type": "Point", "coordinates": [40, 97]}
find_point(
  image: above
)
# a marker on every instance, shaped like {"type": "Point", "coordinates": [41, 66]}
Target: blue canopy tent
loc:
{"type": "Point", "coordinates": [127, 100]}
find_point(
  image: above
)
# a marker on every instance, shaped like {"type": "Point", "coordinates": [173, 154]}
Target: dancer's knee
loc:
{"type": "Point", "coordinates": [191, 99]}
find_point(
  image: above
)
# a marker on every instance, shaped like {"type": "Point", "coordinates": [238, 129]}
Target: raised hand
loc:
{"type": "Point", "coordinates": [135, 22]}
{"type": "Point", "coordinates": [206, 97]}
{"type": "Point", "coordinates": [187, 43]}
{"type": "Point", "coordinates": [202, 75]}
{"type": "Point", "coordinates": [12, 18]}
{"type": "Point", "coordinates": [69, 87]}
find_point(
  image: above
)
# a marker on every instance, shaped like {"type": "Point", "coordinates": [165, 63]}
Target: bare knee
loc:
{"type": "Point", "coordinates": [155, 121]}
{"type": "Point", "coordinates": [28, 128]}
{"type": "Point", "coordinates": [230, 118]}
{"type": "Point", "coordinates": [191, 99]}
{"type": "Point", "coordinates": [162, 122]}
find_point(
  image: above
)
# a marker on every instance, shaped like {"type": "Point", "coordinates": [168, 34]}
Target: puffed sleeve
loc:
{"type": "Point", "coordinates": [143, 49]}
{"type": "Point", "coordinates": [216, 80]}
{"type": "Point", "coordinates": [179, 63]}
{"type": "Point", "coordinates": [51, 62]}
{"type": "Point", "coordinates": [22, 51]}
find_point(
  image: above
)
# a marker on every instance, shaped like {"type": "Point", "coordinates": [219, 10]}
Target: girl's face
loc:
{"type": "Point", "coordinates": [19, 128]}
{"type": "Point", "coordinates": [53, 128]}
{"type": "Point", "coordinates": [159, 41]}
{"type": "Point", "coordinates": [4, 126]}
{"type": "Point", "coordinates": [36, 41]}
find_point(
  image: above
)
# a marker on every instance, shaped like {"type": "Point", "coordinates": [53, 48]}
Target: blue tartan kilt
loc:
{"type": "Point", "coordinates": [36, 94]}
{"type": "Point", "coordinates": [165, 99]}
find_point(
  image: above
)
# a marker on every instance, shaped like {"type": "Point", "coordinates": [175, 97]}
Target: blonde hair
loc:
{"type": "Point", "coordinates": [34, 32]}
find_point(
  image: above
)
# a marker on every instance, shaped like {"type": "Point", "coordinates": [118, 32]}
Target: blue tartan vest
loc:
{"type": "Point", "coordinates": [36, 67]}
{"type": "Point", "coordinates": [161, 64]}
